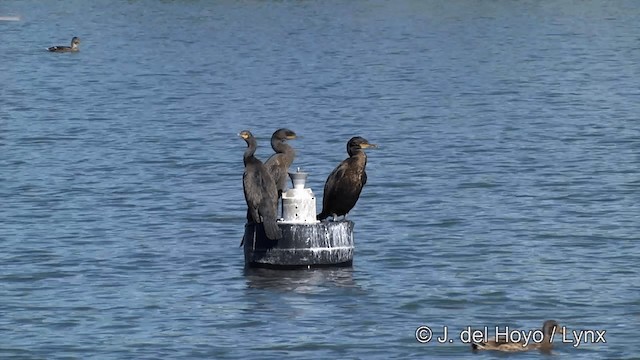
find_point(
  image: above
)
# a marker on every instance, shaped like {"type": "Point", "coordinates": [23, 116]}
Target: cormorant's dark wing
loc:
{"type": "Point", "coordinates": [269, 205]}
{"type": "Point", "coordinates": [269, 201]}
{"type": "Point", "coordinates": [333, 185]}
{"type": "Point", "coordinates": [277, 167]}
{"type": "Point", "coordinates": [252, 185]}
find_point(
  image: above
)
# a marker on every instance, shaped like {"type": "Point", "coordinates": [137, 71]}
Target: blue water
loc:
{"type": "Point", "coordinates": [505, 192]}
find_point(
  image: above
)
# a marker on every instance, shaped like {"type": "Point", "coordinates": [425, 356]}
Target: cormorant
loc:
{"type": "Point", "coordinates": [345, 183]}
{"type": "Point", "coordinates": [278, 164]}
{"type": "Point", "coordinates": [73, 48]}
{"type": "Point", "coordinates": [259, 190]}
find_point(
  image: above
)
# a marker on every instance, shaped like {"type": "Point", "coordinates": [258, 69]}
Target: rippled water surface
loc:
{"type": "Point", "coordinates": [505, 192]}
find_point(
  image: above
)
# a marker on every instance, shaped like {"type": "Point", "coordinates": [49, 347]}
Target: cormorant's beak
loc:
{"type": "Point", "coordinates": [292, 137]}
{"type": "Point", "coordinates": [368, 146]}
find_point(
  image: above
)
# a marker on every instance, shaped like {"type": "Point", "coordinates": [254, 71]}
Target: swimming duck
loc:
{"type": "Point", "coordinates": [74, 46]}
{"type": "Point", "coordinates": [549, 329]}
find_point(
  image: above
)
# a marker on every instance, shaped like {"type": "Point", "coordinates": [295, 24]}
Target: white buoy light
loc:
{"type": "Point", "coordinates": [299, 203]}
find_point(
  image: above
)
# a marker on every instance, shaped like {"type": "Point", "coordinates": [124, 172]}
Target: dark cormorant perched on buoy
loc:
{"type": "Point", "coordinates": [345, 183]}
{"type": "Point", "coordinates": [278, 164]}
{"type": "Point", "coordinates": [260, 190]}
{"type": "Point", "coordinates": [73, 48]}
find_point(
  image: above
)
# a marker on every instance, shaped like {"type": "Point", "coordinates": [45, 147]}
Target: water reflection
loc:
{"type": "Point", "coordinates": [300, 281]}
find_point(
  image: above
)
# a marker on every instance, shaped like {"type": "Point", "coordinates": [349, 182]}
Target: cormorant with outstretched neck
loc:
{"type": "Point", "coordinates": [345, 183]}
{"type": "Point", "coordinates": [278, 164]}
{"type": "Point", "coordinates": [259, 190]}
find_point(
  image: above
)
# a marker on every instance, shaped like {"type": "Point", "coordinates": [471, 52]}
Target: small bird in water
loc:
{"type": "Point", "coordinates": [260, 190]}
{"type": "Point", "coordinates": [73, 48]}
{"type": "Point", "coordinates": [278, 164]}
{"type": "Point", "coordinates": [549, 329]}
{"type": "Point", "coordinates": [344, 185]}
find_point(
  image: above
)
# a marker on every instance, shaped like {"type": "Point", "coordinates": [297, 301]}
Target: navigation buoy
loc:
{"type": "Point", "coordinates": [305, 242]}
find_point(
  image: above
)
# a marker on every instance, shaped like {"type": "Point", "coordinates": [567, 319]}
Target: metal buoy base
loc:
{"type": "Point", "coordinates": [302, 245]}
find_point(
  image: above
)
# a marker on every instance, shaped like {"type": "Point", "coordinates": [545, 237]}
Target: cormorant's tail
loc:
{"type": "Point", "coordinates": [271, 229]}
